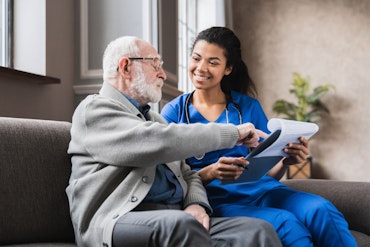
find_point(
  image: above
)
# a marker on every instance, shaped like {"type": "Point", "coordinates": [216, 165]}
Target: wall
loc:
{"type": "Point", "coordinates": [330, 42]}
{"type": "Point", "coordinates": [19, 98]}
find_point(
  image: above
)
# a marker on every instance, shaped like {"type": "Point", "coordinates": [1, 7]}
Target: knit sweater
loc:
{"type": "Point", "coordinates": [114, 152]}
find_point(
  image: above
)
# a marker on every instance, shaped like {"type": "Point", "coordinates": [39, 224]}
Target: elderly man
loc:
{"type": "Point", "coordinates": [129, 185]}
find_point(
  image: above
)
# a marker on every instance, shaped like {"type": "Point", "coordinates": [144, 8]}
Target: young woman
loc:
{"type": "Point", "coordinates": [224, 93]}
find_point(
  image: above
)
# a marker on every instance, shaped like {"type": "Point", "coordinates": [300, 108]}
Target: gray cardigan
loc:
{"type": "Point", "coordinates": [114, 153]}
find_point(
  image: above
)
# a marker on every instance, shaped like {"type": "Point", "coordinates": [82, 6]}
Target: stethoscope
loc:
{"type": "Point", "coordinates": [234, 105]}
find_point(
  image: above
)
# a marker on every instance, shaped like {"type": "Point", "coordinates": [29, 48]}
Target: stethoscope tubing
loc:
{"type": "Point", "coordinates": [235, 105]}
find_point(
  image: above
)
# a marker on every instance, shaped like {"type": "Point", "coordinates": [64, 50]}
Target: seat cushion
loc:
{"type": "Point", "coordinates": [362, 239]}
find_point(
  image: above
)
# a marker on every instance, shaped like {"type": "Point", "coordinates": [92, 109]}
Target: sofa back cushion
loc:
{"type": "Point", "coordinates": [34, 172]}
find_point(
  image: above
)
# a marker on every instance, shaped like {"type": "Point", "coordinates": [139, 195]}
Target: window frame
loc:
{"type": "Point", "coordinates": [7, 10]}
{"type": "Point", "coordinates": [7, 59]}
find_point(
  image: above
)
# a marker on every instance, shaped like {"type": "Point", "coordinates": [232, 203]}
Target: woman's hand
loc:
{"type": "Point", "coordinates": [224, 169]}
{"type": "Point", "coordinates": [298, 152]}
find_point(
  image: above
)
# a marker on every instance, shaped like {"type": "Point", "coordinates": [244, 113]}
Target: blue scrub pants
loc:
{"type": "Point", "coordinates": [300, 219]}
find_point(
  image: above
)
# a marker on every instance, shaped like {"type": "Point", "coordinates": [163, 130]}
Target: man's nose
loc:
{"type": "Point", "coordinates": [162, 74]}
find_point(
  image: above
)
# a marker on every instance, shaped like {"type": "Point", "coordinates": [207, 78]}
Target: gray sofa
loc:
{"type": "Point", "coordinates": [35, 169]}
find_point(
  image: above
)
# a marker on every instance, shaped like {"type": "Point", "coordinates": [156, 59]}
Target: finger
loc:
{"type": "Point", "coordinates": [205, 222]}
{"type": "Point", "coordinates": [232, 168]}
{"type": "Point", "coordinates": [228, 160]}
{"type": "Point", "coordinates": [298, 146]}
{"type": "Point", "coordinates": [303, 141]}
{"type": "Point", "coordinates": [294, 151]}
{"type": "Point", "coordinates": [227, 163]}
{"type": "Point", "coordinates": [240, 162]}
{"type": "Point", "coordinates": [261, 134]}
{"type": "Point", "coordinates": [230, 175]}
{"type": "Point", "coordinates": [257, 135]}
{"type": "Point", "coordinates": [254, 145]}
{"type": "Point", "coordinates": [295, 157]}
{"type": "Point", "coordinates": [251, 142]}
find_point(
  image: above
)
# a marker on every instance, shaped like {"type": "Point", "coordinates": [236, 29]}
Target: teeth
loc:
{"type": "Point", "coordinates": [201, 78]}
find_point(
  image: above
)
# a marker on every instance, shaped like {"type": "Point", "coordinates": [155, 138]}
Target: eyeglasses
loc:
{"type": "Point", "coordinates": [157, 61]}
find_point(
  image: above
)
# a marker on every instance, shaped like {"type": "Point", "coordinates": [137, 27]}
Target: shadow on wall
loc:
{"type": "Point", "coordinates": [319, 172]}
{"type": "Point", "coordinates": [328, 123]}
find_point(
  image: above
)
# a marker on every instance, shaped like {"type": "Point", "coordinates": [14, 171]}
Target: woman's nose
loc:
{"type": "Point", "coordinates": [202, 66]}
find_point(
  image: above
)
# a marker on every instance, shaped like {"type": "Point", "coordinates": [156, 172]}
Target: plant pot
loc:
{"type": "Point", "coordinates": [302, 170]}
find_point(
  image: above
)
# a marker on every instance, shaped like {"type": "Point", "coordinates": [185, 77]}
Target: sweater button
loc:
{"type": "Point", "coordinates": [133, 199]}
{"type": "Point", "coordinates": [144, 179]}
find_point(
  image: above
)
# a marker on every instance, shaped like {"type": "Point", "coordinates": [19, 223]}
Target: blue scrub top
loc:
{"type": "Point", "coordinates": [242, 109]}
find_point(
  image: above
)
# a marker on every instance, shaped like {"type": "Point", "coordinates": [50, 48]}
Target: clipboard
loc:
{"type": "Point", "coordinates": [258, 167]}
{"type": "Point", "coordinates": [270, 151]}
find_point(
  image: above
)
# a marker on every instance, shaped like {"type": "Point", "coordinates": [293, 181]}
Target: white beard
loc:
{"type": "Point", "coordinates": [144, 90]}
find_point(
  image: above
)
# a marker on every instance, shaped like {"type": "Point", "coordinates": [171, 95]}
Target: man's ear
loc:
{"type": "Point", "coordinates": [123, 66]}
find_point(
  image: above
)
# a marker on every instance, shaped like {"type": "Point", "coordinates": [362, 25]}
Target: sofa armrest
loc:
{"type": "Point", "coordinates": [350, 198]}
{"type": "Point", "coordinates": [34, 173]}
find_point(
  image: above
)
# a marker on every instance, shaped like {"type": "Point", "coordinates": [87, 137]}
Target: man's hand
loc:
{"type": "Point", "coordinates": [199, 213]}
{"type": "Point", "coordinates": [249, 135]}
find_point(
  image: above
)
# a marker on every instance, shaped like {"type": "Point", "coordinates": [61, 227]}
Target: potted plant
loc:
{"type": "Point", "coordinates": [308, 107]}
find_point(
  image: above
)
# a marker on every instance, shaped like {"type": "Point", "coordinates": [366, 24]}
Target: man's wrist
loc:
{"type": "Point", "coordinates": [203, 205]}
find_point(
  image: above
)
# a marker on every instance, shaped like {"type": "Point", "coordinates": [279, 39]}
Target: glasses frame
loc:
{"type": "Point", "coordinates": [156, 65]}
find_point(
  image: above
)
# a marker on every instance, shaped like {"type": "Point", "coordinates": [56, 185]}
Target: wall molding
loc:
{"type": "Point", "coordinates": [86, 89]}
{"type": "Point", "coordinates": [85, 72]}
{"type": "Point", "coordinates": [167, 90]}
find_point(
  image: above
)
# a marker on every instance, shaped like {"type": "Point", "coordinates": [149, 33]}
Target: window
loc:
{"type": "Point", "coordinates": [7, 67]}
{"type": "Point", "coordinates": [192, 19]}
{"type": "Point", "coordinates": [6, 32]}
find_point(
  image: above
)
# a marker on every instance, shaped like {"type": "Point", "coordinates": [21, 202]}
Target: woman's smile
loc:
{"type": "Point", "coordinates": [201, 77]}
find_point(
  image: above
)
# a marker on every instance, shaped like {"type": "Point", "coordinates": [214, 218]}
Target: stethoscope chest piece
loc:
{"type": "Point", "coordinates": [199, 157]}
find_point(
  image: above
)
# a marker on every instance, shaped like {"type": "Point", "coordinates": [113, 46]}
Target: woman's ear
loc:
{"type": "Point", "coordinates": [228, 70]}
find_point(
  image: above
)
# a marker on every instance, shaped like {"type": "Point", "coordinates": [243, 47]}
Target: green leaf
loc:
{"type": "Point", "coordinates": [309, 106]}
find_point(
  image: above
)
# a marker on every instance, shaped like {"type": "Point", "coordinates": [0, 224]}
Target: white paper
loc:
{"type": "Point", "coordinates": [290, 132]}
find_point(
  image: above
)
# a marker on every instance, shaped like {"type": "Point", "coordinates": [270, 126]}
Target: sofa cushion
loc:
{"type": "Point", "coordinates": [42, 245]}
{"type": "Point", "coordinates": [350, 197]}
{"type": "Point", "coordinates": [362, 239]}
{"type": "Point", "coordinates": [34, 173]}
